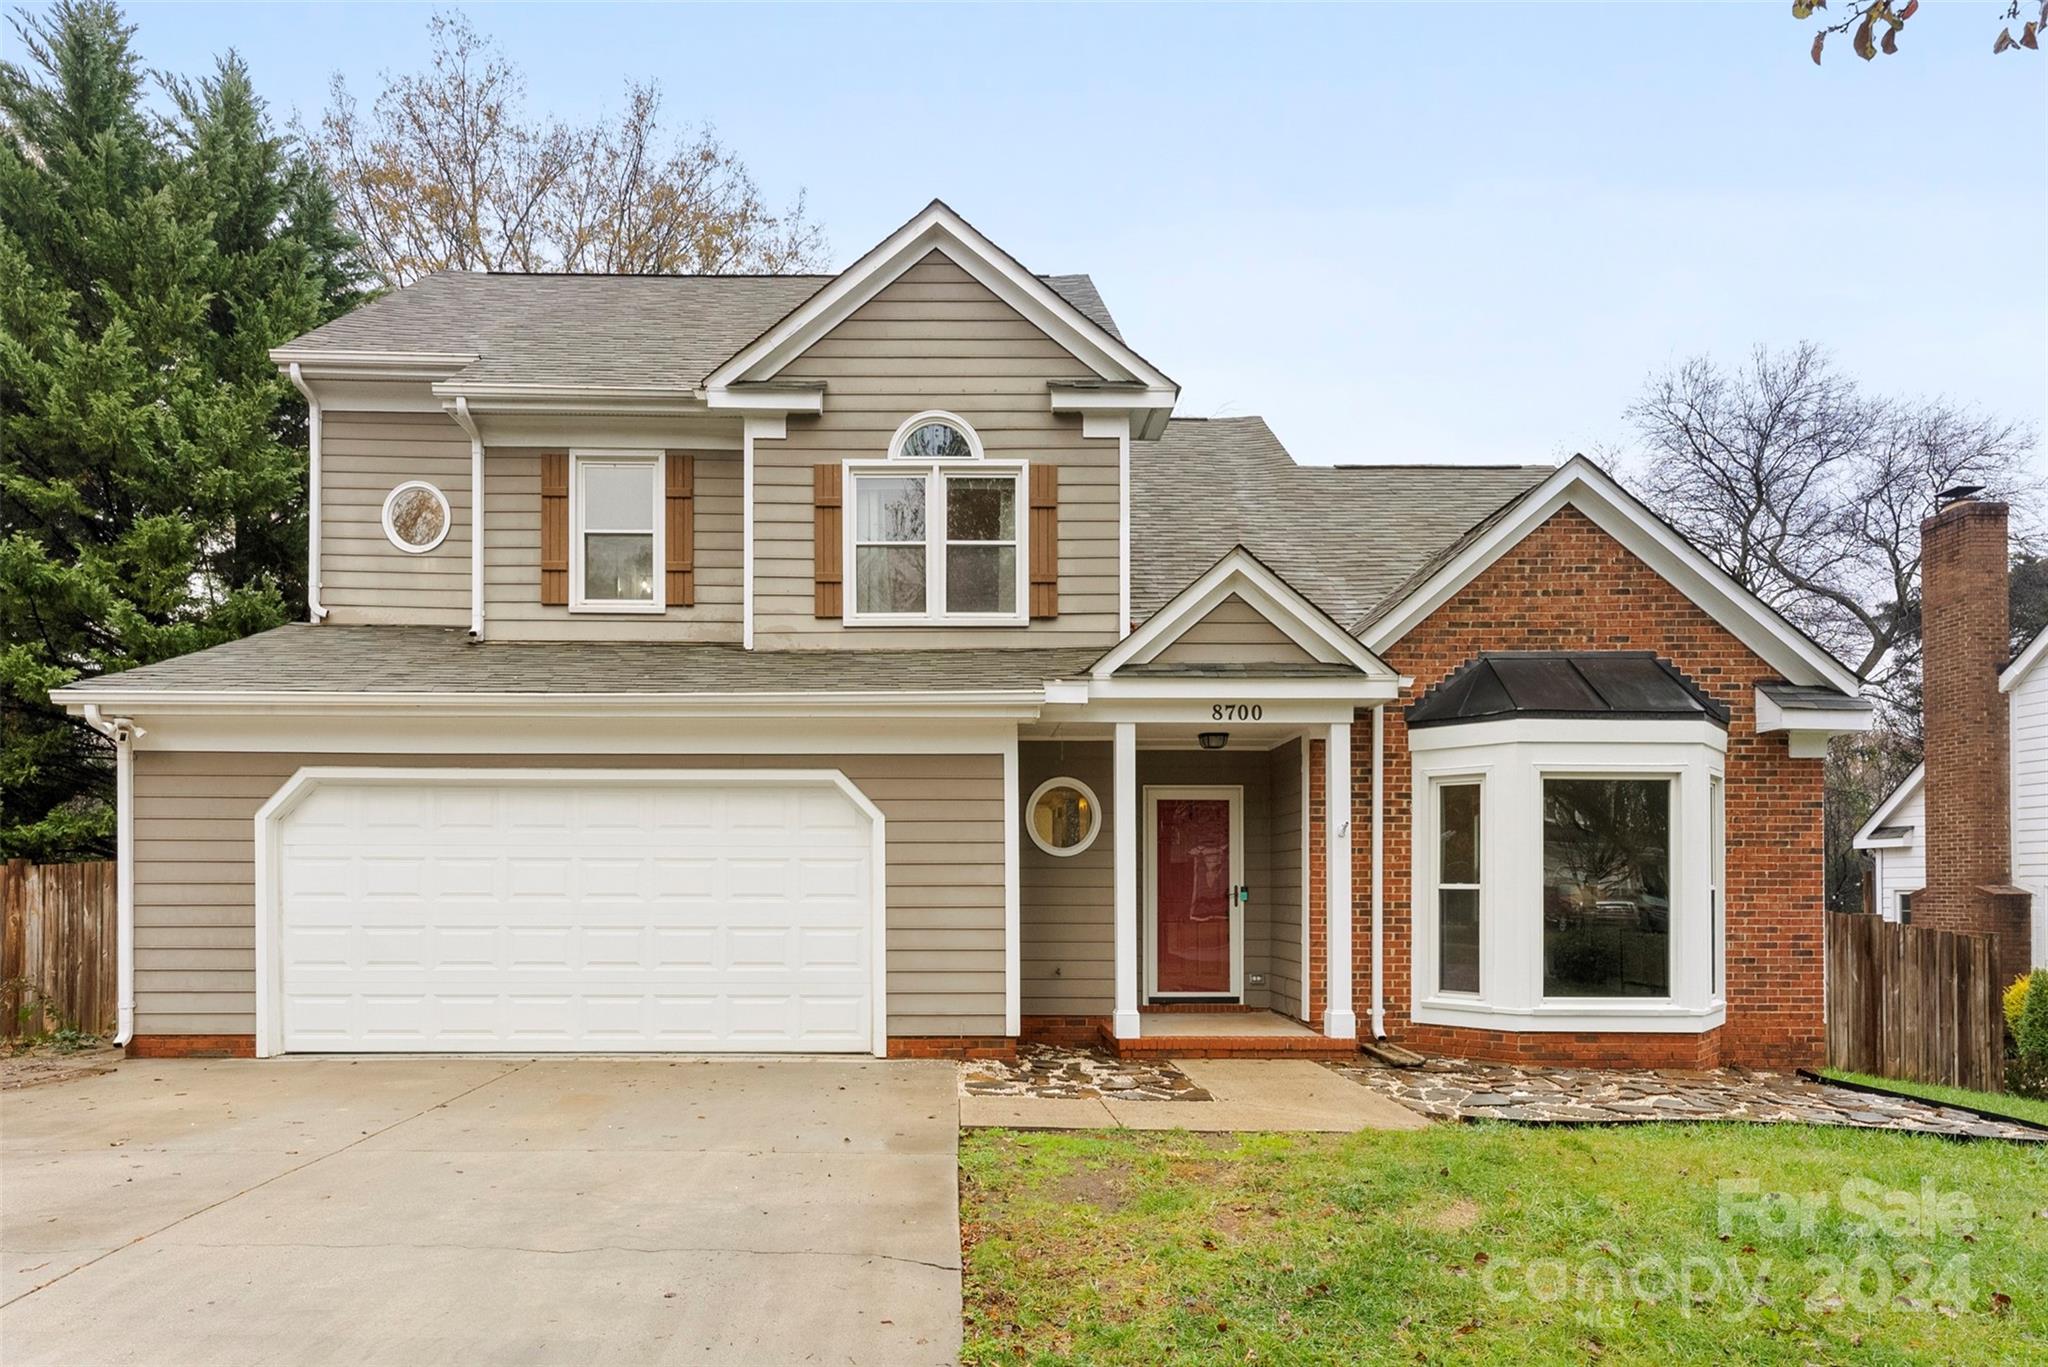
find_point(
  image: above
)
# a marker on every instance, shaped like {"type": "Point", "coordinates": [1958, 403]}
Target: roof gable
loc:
{"type": "Point", "coordinates": [1586, 487]}
{"type": "Point", "coordinates": [938, 229]}
{"type": "Point", "coordinates": [2025, 662]}
{"type": "Point", "coordinates": [1240, 575]}
{"type": "Point", "coordinates": [1889, 811]}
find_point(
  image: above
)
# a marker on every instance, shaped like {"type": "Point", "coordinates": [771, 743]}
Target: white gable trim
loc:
{"type": "Point", "coordinates": [2036, 651]}
{"type": "Point", "coordinates": [1241, 574]}
{"type": "Point", "coordinates": [1585, 486]}
{"type": "Point", "coordinates": [939, 229]}
{"type": "Point", "coordinates": [1866, 839]}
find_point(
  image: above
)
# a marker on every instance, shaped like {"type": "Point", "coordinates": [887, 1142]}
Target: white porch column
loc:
{"type": "Point", "coordinates": [1124, 819]}
{"type": "Point", "coordinates": [1339, 1021]}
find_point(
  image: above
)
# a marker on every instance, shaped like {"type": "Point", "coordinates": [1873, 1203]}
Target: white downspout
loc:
{"type": "Point", "coordinates": [313, 609]}
{"type": "Point", "coordinates": [1379, 749]}
{"type": "Point", "coordinates": [476, 518]}
{"type": "Point", "coordinates": [122, 731]}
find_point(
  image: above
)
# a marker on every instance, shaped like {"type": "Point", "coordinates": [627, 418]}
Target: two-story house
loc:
{"type": "Point", "coordinates": [873, 662]}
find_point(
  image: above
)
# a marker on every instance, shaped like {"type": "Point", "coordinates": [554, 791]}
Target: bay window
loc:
{"type": "Point", "coordinates": [615, 542]}
{"type": "Point", "coordinates": [1571, 874]}
{"type": "Point", "coordinates": [934, 535]}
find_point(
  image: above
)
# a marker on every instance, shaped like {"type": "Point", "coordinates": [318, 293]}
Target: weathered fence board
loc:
{"type": "Point", "coordinates": [57, 946]}
{"type": "Point", "coordinates": [1912, 1003]}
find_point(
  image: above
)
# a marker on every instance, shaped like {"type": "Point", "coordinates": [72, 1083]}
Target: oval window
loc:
{"type": "Point", "coordinates": [416, 517]}
{"type": "Point", "coordinates": [1063, 816]}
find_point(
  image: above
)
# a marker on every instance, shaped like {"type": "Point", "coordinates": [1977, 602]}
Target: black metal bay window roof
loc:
{"type": "Point", "coordinates": [1607, 685]}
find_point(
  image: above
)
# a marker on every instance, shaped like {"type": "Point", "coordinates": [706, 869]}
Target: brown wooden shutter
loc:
{"type": "Point", "coordinates": [1045, 540]}
{"type": "Point", "coordinates": [826, 532]}
{"type": "Point", "coordinates": [554, 529]}
{"type": "Point", "coordinates": [681, 504]}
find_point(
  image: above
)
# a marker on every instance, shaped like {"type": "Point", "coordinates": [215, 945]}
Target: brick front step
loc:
{"type": "Point", "coordinates": [1232, 1046]}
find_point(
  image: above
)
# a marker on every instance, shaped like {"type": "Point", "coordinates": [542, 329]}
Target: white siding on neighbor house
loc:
{"type": "Point", "coordinates": [2028, 712]}
{"type": "Point", "coordinates": [195, 919]}
{"type": "Point", "coordinates": [363, 577]}
{"type": "Point", "coordinates": [512, 606]}
{"type": "Point", "coordinates": [1903, 869]}
{"type": "Point", "coordinates": [935, 338]}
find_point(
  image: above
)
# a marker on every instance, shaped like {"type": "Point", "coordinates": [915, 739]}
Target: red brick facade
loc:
{"type": "Point", "coordinates": [192, 1046]}
{"type": "Point", "coordinates": [1570, 586]}
{"type": "Point", "coordinates": [952, 1046]}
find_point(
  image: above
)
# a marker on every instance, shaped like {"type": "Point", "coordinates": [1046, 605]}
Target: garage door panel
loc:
{"type": "Point", "coordinates": [575, 915]}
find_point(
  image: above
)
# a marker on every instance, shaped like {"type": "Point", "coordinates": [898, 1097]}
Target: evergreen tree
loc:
{"type": "Point", "coordinates": [152, 461]}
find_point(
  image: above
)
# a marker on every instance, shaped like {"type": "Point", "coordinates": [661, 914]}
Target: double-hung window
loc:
{"type": "Point", "coordinates": [1457, 886]}
{"type": "Point", "coordinates": [615, 545]}
{"type": "Point", "coordinates": [934, 533]}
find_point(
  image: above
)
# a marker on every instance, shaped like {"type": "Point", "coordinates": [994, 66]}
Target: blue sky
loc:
{"type": "Point", "coordinates": [1400, 232]}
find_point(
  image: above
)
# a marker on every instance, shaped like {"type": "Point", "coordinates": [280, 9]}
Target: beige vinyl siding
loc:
{"type": "Point", "coordinates": [195, 877]}
{"type": "Point", "coordinates": [363, 577]}
{"type": "Point", "coordinates": [512, 607]}
{"type": "Point", "coordinates": [1246, 769]}
{"type": "Point", "coordinates": [1284, 957]}
{"type": "Point", "coordinates": [1066, 949]}
{"type": "Point", "coordinates": [1233, 633]}
{"type": "Point", "coordinates": [935, 338]}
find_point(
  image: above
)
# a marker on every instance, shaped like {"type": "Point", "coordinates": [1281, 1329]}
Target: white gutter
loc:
{"type": "Point", "coordinates": [1379, 873]}
{"type": "Point", "coordinates": [476, 518]}
{"type": "Point", "coordinates": [122, 732]}
{"type": "Point", "coordinates": [1019, 702]}
{"type": "Point", "coordinates": [313, 608]}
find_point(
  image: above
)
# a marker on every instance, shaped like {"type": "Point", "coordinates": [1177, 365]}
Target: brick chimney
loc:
{"type": "Point", "coordinates": [1965, 628]}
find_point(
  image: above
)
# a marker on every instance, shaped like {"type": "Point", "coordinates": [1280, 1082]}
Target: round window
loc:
{"type": "Point", "coordinates": [416, 517]}
{"type": "Point", "coordinates": [934, 436]}
{"type": "Point", "coordinates": [1063, 816]}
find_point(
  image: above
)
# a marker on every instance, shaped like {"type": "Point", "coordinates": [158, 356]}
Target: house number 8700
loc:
{"type": "Point", "coordinates": [1236, 711]}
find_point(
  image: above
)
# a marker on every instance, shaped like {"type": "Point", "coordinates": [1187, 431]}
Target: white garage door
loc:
{"type": "Point", "coordinates": [574, 913]}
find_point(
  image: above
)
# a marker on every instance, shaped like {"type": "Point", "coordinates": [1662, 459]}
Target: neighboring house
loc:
{"type": "Point", "coordinates": [1970, 825]}
{"type": "Point", "coordinates": [874, 663]}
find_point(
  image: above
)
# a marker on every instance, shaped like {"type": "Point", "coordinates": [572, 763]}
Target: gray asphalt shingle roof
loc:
{"type": "Point", "coordinates": [1346, 536]}
{"type": "Point", "coordinates": [668, 331]}
{"type": "Point", "coordinates": [390, 659]}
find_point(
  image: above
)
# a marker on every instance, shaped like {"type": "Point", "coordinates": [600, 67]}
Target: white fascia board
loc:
{"type": "Point", "coordinates": [324, 363]}
{"type": "Point", "coordinates": [1240, 573]}
{"type": "Point", "coordinates": [1593, 736]}
{"type": "Point", "coordinates": [937, 228]}
{"type": "Point", "coordinates": [403, 733]}
{"type": "Point", "coordinates": [1585, 486]}
{"type": "Point", "coordinates": [1140, 414]}
{"type": "Point", "coordinates": [579, 398]}
{"type": "Point", "coordinates": [767, 400]}
{"type": "Point", "coordinates": [1828, 722]}
{"type": "Point", "coordinates": [2036, 651]}
{"type": "Point", "coordinates": [1019, 702]}
{"type": "Point", "coordinates": [1245, 688]}
{"type": "Point", "coordinates": [1888, 808]}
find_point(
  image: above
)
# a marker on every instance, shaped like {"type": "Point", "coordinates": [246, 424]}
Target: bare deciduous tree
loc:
{"type": "Point", "coordinates": [1874, 26]}
{"type": "Point", "coordinates": [1810, 491]}
{"type": "Point", "coordinates": [447, 170]}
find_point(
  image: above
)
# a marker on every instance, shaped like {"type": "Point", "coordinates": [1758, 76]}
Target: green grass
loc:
{"type": "Point", "coordinates": [2020, 1108]}
{"type": "Point", "coordinates": [1503, 1244]}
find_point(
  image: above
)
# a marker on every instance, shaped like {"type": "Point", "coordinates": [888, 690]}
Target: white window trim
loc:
{"type": "Point", "coordinates": [934, 473]}
{"type": "Point", "coordinates": [1094, 810]}
{"type": "Point", "coordinates": [917, 420]}
{"type": "Point", "coordinates": [1514, 758]}
{"type": "Point", "coordinates": [1453, 778]}
{"type": "Point", "coordinates": [391, 532]}
{"type": "Point", "coordinates": [657, 462]}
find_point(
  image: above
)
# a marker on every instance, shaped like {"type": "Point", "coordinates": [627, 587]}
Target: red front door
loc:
{"type": "Point", "coordinates": [1195, 893]}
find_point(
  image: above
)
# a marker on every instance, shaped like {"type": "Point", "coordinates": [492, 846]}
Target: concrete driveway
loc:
{"type": "Point", "coordinates": [469, 1210]}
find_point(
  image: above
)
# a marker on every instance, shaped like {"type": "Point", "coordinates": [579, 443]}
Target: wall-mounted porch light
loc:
{"type": "Point", "coordinates": [1212, 740]}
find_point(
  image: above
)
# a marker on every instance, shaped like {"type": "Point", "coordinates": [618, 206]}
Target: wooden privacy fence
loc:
{"type": "Point", "coordinates": [57, 964]}
{"type": "Point", "coordinates": [1915, 1004]}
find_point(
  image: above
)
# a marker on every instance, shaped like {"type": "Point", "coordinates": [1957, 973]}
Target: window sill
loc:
{"type": "Point", "coordinates": [1594, 1016]}
{"type": "Point", "coordinates": [925, 623]}
{"type": "Point", "coordinates": [618, 609]}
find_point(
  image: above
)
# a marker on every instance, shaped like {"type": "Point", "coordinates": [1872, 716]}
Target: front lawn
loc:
{"type": "Point", "coordinates": [2021, 1108]}
{"type": "Point", "coordinates": [1717, 1242]}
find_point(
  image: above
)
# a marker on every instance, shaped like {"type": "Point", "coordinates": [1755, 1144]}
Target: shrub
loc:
{"type": "Point", "coordinates": [2031, 1034]}
{"type": "Point", "coordinates": [2015, 1002]}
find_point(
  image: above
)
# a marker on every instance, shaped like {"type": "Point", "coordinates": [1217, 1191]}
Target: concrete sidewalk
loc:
{"type": "Point", "coordinates": [1250, 1094]}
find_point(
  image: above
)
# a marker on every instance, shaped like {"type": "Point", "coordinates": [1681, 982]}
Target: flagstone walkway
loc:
{"type": "Point", "coordinates": [1452, 1089]}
